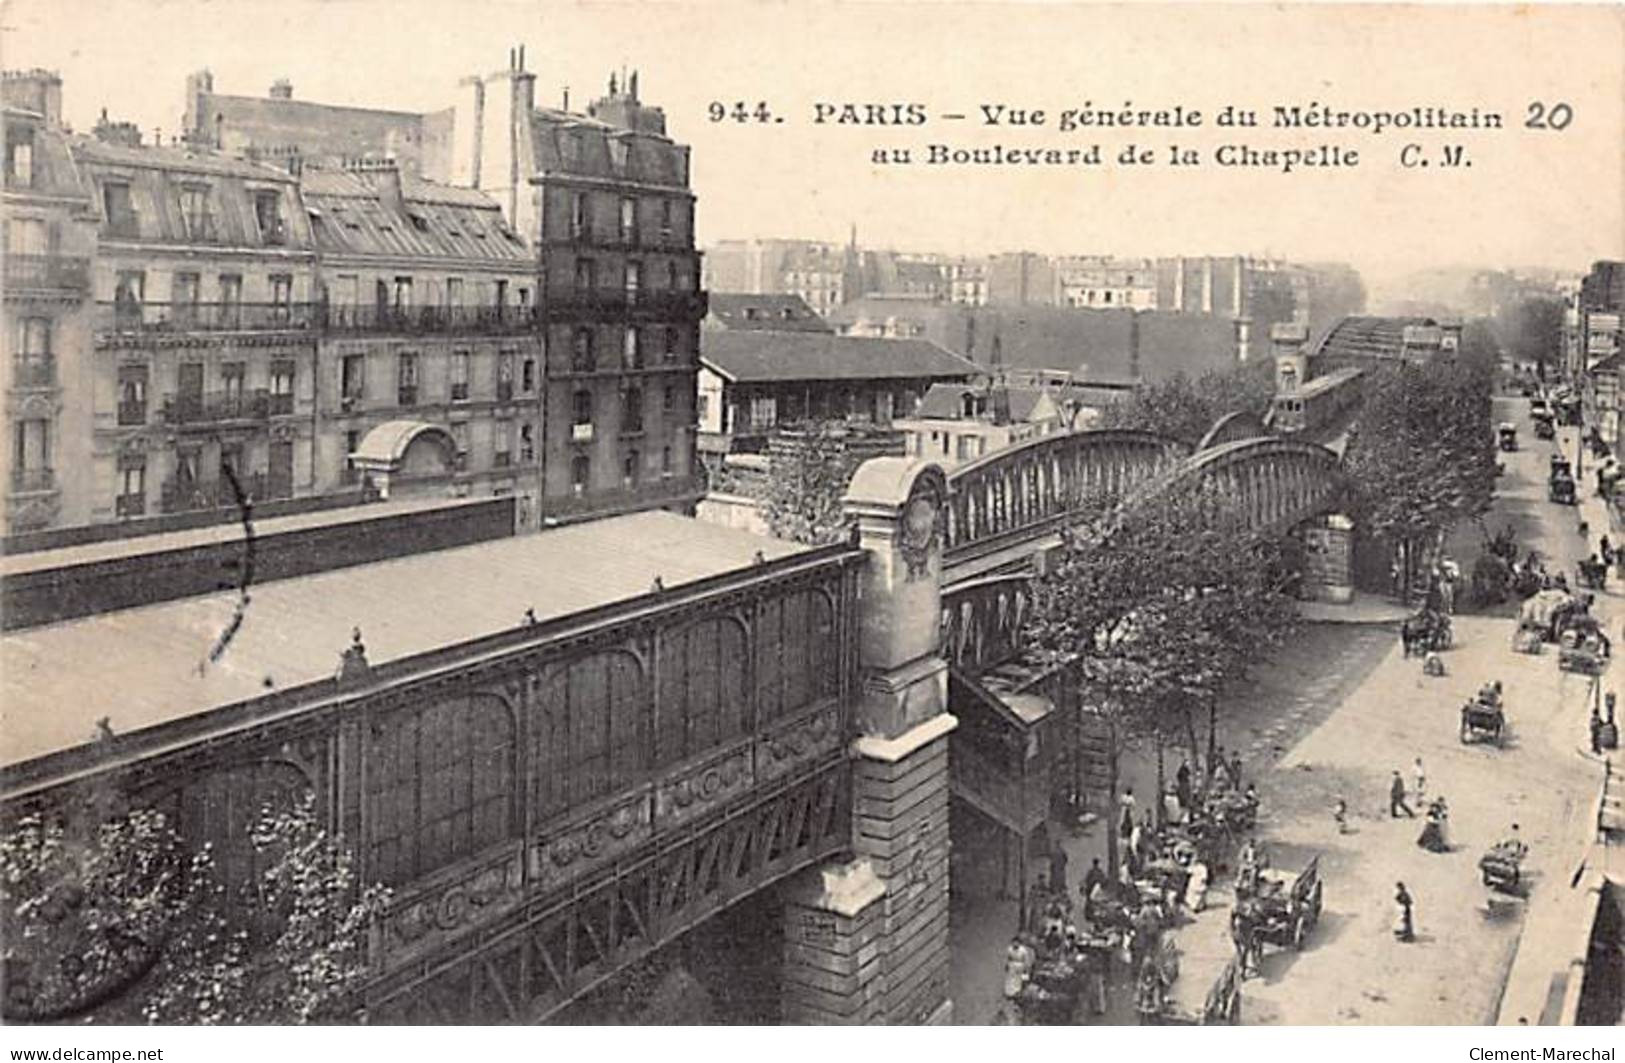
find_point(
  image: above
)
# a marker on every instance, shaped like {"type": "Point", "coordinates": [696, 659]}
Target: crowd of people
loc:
{"type": "Point", "coordinates": [1064, 956]}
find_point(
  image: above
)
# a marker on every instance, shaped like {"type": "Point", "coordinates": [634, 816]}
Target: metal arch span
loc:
{"type": "Point", "coordinates": [1233, 426]}
{"type": "Point", "coordinates": [1025, 491]}
{"type": "Point", "coordinates": [1277, 482]}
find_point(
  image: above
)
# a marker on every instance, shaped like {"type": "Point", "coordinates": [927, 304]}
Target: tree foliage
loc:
{"type": "Point", "coordinates": [120, 923]}
{"type": "Point", "coordinates": [1422, 456]}
{"type": "Point", "coordinates": [1185, 408]}
{"type": "Point", "coordinates": [1532, 329]}
{"type": "Point", "coordinates": [1156, 607]}
{"type": "Point", "coordinates": [801, 499]}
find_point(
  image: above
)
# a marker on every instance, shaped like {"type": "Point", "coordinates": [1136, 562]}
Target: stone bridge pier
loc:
{"type": "Point", "coordinates": [866, 938]}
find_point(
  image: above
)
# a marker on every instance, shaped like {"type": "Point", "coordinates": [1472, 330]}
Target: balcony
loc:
{"type": "Point", "coordinates": [181, 496]}
{"type": "Point", "coordinates": [131, 505]}
{"type": "Point", "coordinates": [211, 407]}
{"type": "Point", "coordinates": [24, 481]}
{"type": "Point", "coordinates": [504, 391]}
{"type": "Point", "coordinates": [501, 459]}
{"type": "Point", "coordinates": [406, 395]}
{"type": "Point", "coordinates": [459, 391]}
{"type": "Point", "coordinates": [47, 273]}
{"type": "Point", "coordinates": [281, 403]}
{"type": "Point", "coordinates": [160, 318]}
{"type": "Point", "coordinates": [36, 373]}
{"type": "Point", "coordinates": [425, 320]}
{"type": "Point", "coordinates": [132, 413]}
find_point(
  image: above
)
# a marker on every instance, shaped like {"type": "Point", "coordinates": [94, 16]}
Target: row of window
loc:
{"type": "Point", "coordinates": [629, 228]}
{"type": "Point", "coordinates": [583, 403]}
{"type": "Point", "coordinates": [186, 289]}
{"type": "Point", "coordinates": [588, 277]}
{"type": "Point", "coordinates": [408, 364]}
{"type": "Point", "coordinates": [193, 400]}
{"type": "Point", "coordinates": [584, 348]}
{"type": "Point", "coordinates": [404, 293]}
{"type": "Point", "coordinates": [193, 203]}
{"type": "Point", "coordinates": [631, 469]}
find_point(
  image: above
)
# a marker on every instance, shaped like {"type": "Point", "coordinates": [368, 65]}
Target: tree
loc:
{"type": "Point", "coordinates": [1532, 330]}
{"type": "Point", "coordinates": [1421, 457]}
{"type": "Point", "coordinates": [122, 924]}
{"type": "Point", "coordinates": [1184, 409]}
{"type": "Point", "coordinates": [1153, 607]}
{"type": "Point", "coordinates": [801, 499]}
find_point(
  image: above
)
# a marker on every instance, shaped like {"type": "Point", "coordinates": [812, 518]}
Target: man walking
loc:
{"type": "Point", "coordinates": [1396, 798]}
{"type": "Point", "coordinates": [1182, 787]}
{"type": "Point", "coordinates": [1057, 865]}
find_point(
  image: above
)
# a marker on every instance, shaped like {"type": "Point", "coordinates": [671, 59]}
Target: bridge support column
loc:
{"type": "Point", "coordinates": [1329, 559]}
{"type": "Point", "coordinates": [866, 940]}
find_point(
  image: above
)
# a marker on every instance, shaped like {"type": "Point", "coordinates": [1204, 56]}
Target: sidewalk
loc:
{"type": "Point", "coordinates": [1364, 609]}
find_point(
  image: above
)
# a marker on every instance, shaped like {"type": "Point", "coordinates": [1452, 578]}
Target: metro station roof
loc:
{"type": "Point", "coordinates": [147, 666]}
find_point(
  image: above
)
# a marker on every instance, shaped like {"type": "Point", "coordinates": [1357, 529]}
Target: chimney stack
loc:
{"type": "Point", "coordinates": [281, 89]}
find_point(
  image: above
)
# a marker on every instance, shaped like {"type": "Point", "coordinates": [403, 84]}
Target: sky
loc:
{"type": "Point", "coordinates": [1531, 197]}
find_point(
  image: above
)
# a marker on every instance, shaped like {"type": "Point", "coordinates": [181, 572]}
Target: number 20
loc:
{"type": "Point", "coordinates": [1557, 117]}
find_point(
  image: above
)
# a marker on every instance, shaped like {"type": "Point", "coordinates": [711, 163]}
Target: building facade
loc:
{"type": "Point", "coordinates": [49, 377]}
{"type": "Point", "coordinates": [427, 315]}
{"type": "Point", "coordinates": [205, 332]}
{"type": "Point", "coordinates": [1098, 281]}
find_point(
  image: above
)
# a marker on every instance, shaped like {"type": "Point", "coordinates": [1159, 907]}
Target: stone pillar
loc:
{"type": "Point", "coordinates": [866, 940]}
{"type": "Point", "coordinates": [1329, 560]}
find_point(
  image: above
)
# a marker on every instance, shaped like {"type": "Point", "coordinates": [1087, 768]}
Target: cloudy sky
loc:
{"type": "Point", "coordinates": [1531, 197]}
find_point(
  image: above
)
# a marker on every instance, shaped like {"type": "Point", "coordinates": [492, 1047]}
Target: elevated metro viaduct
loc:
{"type": "Point", "coordinates": [565, 750]}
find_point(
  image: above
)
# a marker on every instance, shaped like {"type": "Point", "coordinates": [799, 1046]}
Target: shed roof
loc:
{"type": "Point", "coordinates": [143, 667]}
{"type": "Point", "coordinates": [763, 356]}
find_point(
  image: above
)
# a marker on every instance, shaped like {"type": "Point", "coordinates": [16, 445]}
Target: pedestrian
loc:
{"type": "Point", "coordinates": [1235, 770]}
{"type": "Point", "coordinates": [1404, 918]}
{"type": "Point", "coordinates": [1216, 770]}
{"type": "Point", "coordinates": [1607, 550]}
{"type": "Point", "coordinates": [1095, 876]}
{"type": "Point", "coordinates": [1396, 798]}
{"type": "Point", "coordinates": [1182, 787]}
{"type": "Point", "coordinates": [1596, 731]}
{"type": "Point", "coordinates": [1340, 814]}
{"type": "Point", "coordinates": [1126, 823]}
{"type": "Point", "coordinates": [1057, 867]}
{"type": "Point", "coordinates": [1148, 994]}
{"type": "Point", "coordinates": [1421, 781]}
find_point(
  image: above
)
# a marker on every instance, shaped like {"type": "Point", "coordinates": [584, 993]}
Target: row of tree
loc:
{"type": "Point", "coordinates": [1152, 610]}
{"type": "Point", "coordinates": [113, 917]}
{"type": "Point", "coordinates": [1185, 407]}
{"type": "Point", "coordinates": [1421, 456]}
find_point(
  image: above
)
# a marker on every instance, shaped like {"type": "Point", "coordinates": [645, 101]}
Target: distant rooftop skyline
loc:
{"type": "Point", "coordinates": [1533, 199]}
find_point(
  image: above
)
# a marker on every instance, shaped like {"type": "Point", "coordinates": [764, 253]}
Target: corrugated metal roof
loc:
{"type": "Point", "coordinates": [141, 667]}
{"type": "Point", "coordinates": [356, 218]}
{"type": "Point", "coordinates": [762, 355]}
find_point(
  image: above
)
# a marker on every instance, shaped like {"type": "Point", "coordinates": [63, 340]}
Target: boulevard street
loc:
{"type": "Point", "coordinates": [1333, 717]}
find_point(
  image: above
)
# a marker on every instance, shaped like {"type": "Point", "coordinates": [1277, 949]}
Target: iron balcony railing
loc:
{"type": "Point", "coordinates": [208, 407]}
{"type": "Point", "coordinates": [281, 403]}
{"type": "Point", "coordinates": [67, 273]}
{"type": "Point", "coordinates": [425, 319]}
{"type": "Point", "coordinates": [140, 318]}
{"type": "Point", "coordinates": [35, 479]}
{"type": "Point", "coordinates": [36, 372]}
{"type": "Point", "coordinates": [130, 413]}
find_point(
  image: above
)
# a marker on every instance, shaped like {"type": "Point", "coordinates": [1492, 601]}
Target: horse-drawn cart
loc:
{"type": "Point", "coordinates": [1285, 910]}
{"type": "Point", "coordinates": [1481, 718]}
{"type": "Point", "coordinates": [1502, 867]}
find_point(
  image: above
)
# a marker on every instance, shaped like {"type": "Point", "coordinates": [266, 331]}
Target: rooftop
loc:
{"type": "Point", "coordinates": [359, 216]}
{"type": "Point", "coordinates": [760, 356]}
{"type": "Point", "coordinates": [147, 666]}
{"type": "Point", "coordinates": [150, 156]}
{"type": "Point", "coordinates": [772, 313]}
